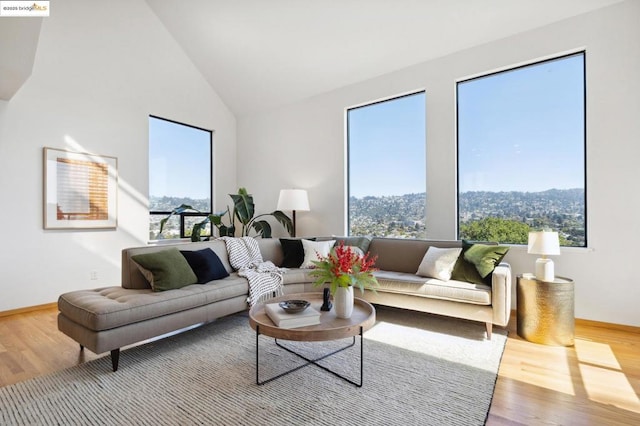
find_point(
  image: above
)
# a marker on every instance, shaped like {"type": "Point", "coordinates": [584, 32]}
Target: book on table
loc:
{"type": "Point", "coordinates": [284, 319]}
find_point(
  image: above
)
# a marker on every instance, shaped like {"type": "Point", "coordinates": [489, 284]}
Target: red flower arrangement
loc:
{"type": "Point", "coordinates": [344, 267]}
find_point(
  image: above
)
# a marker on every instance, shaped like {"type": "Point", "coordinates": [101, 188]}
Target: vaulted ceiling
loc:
{"type": "Point", "coordinates": [17, 52]}
{"type": "Point", "coordinates": [260, 54]}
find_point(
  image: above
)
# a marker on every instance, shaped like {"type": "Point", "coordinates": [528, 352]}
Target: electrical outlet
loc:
{"type": "Point", "coordinates": [93, 275]}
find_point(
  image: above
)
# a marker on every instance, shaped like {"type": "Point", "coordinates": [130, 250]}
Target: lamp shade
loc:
{"type": "Point", "coordinates": [544, 243]}
{"type": "Point", "coordinates": [293, 199]}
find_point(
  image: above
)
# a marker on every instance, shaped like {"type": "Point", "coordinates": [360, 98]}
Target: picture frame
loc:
{"type": "Point", "coordinates": [80, 190]}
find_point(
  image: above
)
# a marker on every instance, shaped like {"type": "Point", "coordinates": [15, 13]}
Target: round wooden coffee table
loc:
{"type": "Point", "coordinates": [330, 328]}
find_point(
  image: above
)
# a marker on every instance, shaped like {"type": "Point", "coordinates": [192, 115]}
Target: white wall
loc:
{"type": "Point", "coordinates": [100, 69]}
{"type": "Point", "coordinates": [302, 146]}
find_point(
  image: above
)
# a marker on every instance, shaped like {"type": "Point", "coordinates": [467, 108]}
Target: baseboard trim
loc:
{"type": "Point", "coordinates": [608, 325]}
{"type": "Point", "coordinates": [28, 309]}
{"type": "Point", "coordinates": [599, 324]}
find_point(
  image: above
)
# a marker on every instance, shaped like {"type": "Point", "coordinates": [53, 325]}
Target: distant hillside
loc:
{"type": "Point", "coordinates": [393, 216]}
{"type": "Point", "coordinates": [521, 205]}
{"type": "Point", "coordinates": [403, 216]}
{"type": "Point", "coordinates": [166, 204]}
{"type": "Point", "coordinates": [172, 227]}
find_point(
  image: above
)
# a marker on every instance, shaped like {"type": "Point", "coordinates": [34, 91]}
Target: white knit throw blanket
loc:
{"type": "Point", "coordinates": [265, 278]}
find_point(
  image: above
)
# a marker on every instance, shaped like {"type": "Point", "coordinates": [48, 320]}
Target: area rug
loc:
{"type": "Point", "coordinates": [418, 370]}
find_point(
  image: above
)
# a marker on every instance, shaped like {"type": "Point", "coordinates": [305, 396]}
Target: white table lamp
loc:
{"type": "Point", "coordinates": [544, 243]}
{"type": "Point", "coordinates": [293, 199]}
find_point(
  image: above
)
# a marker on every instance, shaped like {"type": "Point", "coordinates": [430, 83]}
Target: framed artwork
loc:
{"type": "Point", "coordinates": [80, 190]}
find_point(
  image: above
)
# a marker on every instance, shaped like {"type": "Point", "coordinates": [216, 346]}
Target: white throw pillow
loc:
{"type": "Point", "coordinates": [439, 262]}
{"type": "Point", "coordinates": [313, 250]}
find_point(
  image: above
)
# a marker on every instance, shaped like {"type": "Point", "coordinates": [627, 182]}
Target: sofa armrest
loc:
{"type": "Point", "coordinates": [501, 294]}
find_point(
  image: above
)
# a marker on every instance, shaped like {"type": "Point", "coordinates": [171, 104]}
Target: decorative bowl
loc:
{"type": "Point", "coordinates": [294, 306]}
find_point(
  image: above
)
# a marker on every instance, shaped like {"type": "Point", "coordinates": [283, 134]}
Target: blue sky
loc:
{"type": "Point", "coordinates": [526, 124]}
{"type": "Point", "coordinates": [387, 152]}
{"type": "Point", "coordinates": [182, 172]}
{"type": "Point", "coordinates": [520, 130]}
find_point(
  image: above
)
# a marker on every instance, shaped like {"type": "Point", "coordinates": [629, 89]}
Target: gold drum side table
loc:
{"type": "Point", "coordinates": [546, 310]}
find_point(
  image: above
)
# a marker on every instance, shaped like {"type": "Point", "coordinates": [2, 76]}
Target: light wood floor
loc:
{"type": "Point", "coordinates": [596, 382]}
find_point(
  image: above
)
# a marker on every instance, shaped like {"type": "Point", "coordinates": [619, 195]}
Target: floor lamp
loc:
{"type": "Point", "coordinates": [293, 199]}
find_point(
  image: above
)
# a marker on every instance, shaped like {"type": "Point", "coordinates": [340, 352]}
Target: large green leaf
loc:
{"type": "Point", "coordinates": [196, 231]}
{"type": "Point", "coordinates": [284, 220]}
{"type": "Point", "coordinates": [227, 231]}
{"type": "Point", "coordinates": [217, 221]}
{"type": "Point", "coordinates": [163, 222]}
{"type": "Point", "coordinates": [180, 209]}
{"type": "Point", "coordinates": [216, 218]}
{"type": "Point", "coordinates": [243, 206]}
{"type": "Point", "coordinates": [262, 228]}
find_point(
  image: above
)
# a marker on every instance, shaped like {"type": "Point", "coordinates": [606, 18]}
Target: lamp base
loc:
{"type": "Point", "coordinates": [544, 269]}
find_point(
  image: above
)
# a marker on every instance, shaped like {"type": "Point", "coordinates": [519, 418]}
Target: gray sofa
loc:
{"type": "Point", "coordinates": [107, 319]}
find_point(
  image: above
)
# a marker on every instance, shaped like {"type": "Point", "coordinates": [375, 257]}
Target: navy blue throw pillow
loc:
{"type": "Point", "coordinates": [205, 264]}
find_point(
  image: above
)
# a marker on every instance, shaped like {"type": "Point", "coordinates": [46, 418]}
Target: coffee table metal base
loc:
{"type": "Point", "coordinates": [309, 360]}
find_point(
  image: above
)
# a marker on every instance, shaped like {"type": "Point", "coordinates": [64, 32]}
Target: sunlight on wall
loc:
{"type": "Point", "coordinates": [127, 196]}
{"type": "Point", "coordinates": [122, 184]}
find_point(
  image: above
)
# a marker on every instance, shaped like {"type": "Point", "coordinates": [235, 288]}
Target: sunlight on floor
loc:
{"type": "Point", "coordinates": [603, 378]}
{"type": "Point", "coordinates": [550, 370]}
{"type": "Point", "coordinates": [403, 336]}
{"type": "Point", "coordinates": [594, 353]}
{"type": "Point", "coordinates": [479, 353]}
{"type": "Point", "coordinates": [588, 368]}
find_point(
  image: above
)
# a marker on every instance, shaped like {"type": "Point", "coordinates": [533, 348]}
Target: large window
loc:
{"type": "Point", "coordinates": [386, 168]}
{"type": "Point", "coordinates": [180, 170]}
{"type": "Point", "coordinates": [521, 153]}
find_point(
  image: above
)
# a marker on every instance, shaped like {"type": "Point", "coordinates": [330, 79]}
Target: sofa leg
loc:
{"type": "Point", "coordinates": [489, 328]}
{"type": "Point", "coordinates": [115, 357]}
{"type": "Point", "coordinates": [81, 348]}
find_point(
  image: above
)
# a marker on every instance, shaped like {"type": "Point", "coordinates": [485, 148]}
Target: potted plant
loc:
{"type": "Point", "coordinates": [243, 211]}
{"type": "Point", "coordinates": [344, 269]}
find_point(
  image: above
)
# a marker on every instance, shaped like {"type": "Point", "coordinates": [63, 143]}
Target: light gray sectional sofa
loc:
{"type": "Point", "coordinates": [107, 319]}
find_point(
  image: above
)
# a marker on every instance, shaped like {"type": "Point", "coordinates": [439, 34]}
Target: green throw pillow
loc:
{"type": "Point", "coordinates": [169, 269]}
{"type": "Point", "coordinates": [485, 257]}
{"type": "Point", "coordinates": [466, 271]}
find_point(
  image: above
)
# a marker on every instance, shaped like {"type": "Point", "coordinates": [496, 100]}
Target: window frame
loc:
{"type": "Point", "coordinates": [348, 148]}
{"type": "Point", "coordinates": [581, 52]}
{"type": "Point", "coordinates": [184, 215]}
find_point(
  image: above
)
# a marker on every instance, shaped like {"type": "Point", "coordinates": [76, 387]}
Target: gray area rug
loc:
{"type": "Point", "coordinates": [418, 370]}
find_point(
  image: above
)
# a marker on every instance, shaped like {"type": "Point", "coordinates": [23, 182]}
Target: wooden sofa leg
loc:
{"type": "Point", "coordinates": [115, 357]}
{"type": "Point", "coordinates": [81, 348]}
{"type": "Point", "coordinates": [489, 328]}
